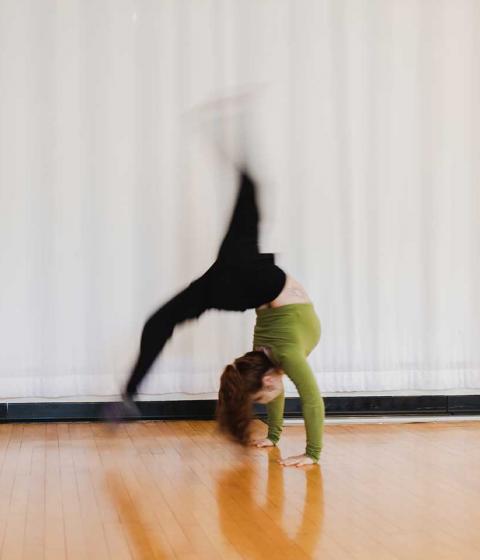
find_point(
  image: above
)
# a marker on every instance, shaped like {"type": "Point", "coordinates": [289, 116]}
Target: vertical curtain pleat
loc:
{"type": "Point", "coordinates": [361, 119]}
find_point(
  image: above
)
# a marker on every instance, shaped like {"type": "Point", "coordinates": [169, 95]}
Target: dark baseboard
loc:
{"type": "Point", "coordinates": [205, 409]}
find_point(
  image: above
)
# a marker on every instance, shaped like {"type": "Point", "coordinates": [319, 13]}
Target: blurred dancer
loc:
{"type": "Point", "coordinates": [242, 278]}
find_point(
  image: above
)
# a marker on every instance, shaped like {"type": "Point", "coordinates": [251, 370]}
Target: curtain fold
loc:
{"type": "Point", "coordinates": [361, 119]}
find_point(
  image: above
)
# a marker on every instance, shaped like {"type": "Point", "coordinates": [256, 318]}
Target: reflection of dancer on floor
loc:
{"type": "Point", "coordinates": [287, 330]}
{"type": "Point", "coordinates": [298, 525]}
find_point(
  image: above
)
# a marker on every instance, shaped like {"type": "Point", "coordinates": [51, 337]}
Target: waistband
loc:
{"type": "Point", "coordinates": [283, 309]}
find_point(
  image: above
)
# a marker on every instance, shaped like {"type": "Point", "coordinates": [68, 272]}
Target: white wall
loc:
{"type": "Point", "coordinates": [364, 124]}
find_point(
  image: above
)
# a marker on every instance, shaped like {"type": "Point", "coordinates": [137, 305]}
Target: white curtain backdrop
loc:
{"type": "Point", "coordinates": [364, 131]}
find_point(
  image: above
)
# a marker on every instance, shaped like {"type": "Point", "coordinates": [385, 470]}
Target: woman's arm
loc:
{"type": "Point", "coordinates": [275, 410]}
{"type": "Point", "coordinates": [276, 407]}
{"type": "Point", "coordinates": [295, 365]}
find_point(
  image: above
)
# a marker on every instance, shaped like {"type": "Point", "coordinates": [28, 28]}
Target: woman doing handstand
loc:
{"type": "Point", "coordinates": [286, 331]}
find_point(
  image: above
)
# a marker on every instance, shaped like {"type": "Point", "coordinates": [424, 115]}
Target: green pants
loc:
{"type": "Point", "coordinates": [291, 332]}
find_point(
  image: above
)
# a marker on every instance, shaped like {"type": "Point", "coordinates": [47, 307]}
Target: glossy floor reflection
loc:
{"type": "Point", "coordinates": [259, 517]}
{"type": "Point", "coordinates": [178, 490]}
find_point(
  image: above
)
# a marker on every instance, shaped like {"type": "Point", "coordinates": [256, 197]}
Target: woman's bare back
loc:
{"type": "Point", "coordinates": [293, 292]}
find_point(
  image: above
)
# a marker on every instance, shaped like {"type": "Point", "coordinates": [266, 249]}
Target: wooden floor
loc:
{"type": "Point", "coordinates": [159, 490]}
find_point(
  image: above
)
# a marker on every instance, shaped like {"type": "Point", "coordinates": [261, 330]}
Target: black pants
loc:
{"type": "Point", "coordinates": [241, 278]}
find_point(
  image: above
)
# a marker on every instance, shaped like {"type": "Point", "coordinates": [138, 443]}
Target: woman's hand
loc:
{"type": "Point", "coordinates": [264, 442]}
{"type": "Point", "coordinates": [297, 461]}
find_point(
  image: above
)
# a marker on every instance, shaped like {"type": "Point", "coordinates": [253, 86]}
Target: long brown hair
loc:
{"type": "Point", "coordinates": [238, 383]}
